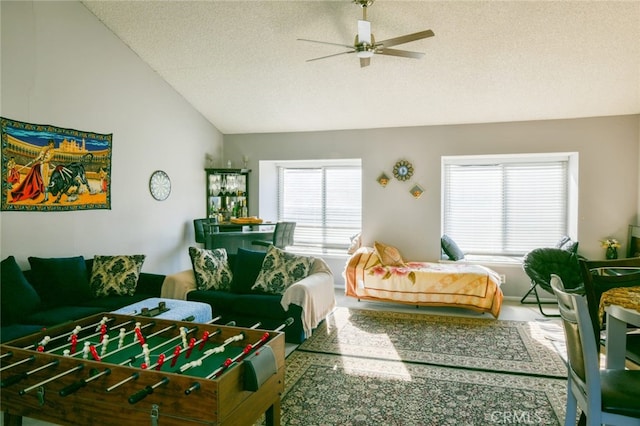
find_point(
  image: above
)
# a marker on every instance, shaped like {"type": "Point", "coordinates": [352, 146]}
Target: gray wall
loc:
{"type": "Point", "coordinates": [61, 66]}
{"type": "Point", "coordinates": [608, 174]}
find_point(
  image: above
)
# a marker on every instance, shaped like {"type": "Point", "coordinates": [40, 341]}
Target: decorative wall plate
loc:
{"type": "Point", "coordinates": [160, 185]}
{"type": "Point", "coordinates": [403, 170]}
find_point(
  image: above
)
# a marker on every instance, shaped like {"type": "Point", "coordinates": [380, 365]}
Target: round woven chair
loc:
{"type": "Point", "coordinates": [540, 263]}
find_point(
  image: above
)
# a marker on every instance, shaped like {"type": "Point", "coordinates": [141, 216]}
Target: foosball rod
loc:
{"type": "Point", "coordinates": [15, 364]}
{"type": "Point", "coordinates": [147, 325]}
{"type": "Point", "coordinates": [240, 356]}
{"type": "Point", "coordinates": [68, 390]}
{"type": "Point", "coordinates": [18, 377]}
{"type": "Point", "coordinates": [51, 379]}
{"type": "Point", "coordinates": [248, 349]}
{"type": "Point", "coordinates": [136, 375]}
{"type": "Point", "coordinates": [155, 348]}
{"type": "Point", "coordinates": [218, 349]}
{"type": "Point", "coordinates": [230, 361]}
{"type": "Point", "coordinates": [74, 331]}
{"type": "Point", "coordinates": [6, 355]}
{"type": "Point", "coordinates": [171, 327]}
{"type": "Point", "coordinates": [149, 336]}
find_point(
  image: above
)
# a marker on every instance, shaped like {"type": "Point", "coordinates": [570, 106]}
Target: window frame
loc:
{"type": "Point", "coordinates": [571, 182]}
{"type": "Point", "coordinates": [270, 207]}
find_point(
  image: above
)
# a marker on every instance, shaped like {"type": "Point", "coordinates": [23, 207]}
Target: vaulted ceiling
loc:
{"type": "Point", "coordinates": [240, 64]}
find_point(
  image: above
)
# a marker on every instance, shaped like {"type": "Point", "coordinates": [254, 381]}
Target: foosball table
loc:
{"type": "Point", "coordinates": [114, 369]}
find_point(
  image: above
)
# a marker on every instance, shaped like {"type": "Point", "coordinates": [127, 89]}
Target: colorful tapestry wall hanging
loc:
{"type": "Point", "coordinates": [48, 168]}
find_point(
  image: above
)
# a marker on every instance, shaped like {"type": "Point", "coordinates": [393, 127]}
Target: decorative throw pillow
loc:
{"type": "Point", "coordinates": [18, 297]}
{"type": "Point", "coordinates": [115, 275]}
{"type": "Point", "coordinates": [281, 269]}
{"type": "Point", "coordinates": [450, 248]}
{"type": "Point", "coordinates": [248, 264]}
{"type": "Point", "coordinates": [389, 255]}
{"type": "Point", "coordinates": [211, 268]}
{"type": "Point", "coordinates": [566, 243]}
{"type": "Point", "coordinates": [356, 243]}
{"type": "Point", "coordinates": [60, 281]}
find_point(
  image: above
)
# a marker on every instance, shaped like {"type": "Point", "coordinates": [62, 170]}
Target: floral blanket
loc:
{"type": "Point", "coordinates": [422, 283]}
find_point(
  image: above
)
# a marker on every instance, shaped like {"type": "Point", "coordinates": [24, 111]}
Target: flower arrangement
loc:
{"type": "Point", "coordinates": [610, 243]}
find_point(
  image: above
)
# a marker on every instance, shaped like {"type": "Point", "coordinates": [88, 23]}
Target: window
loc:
{"type": "Point", "coordinates": [324, 198]}
{"type": "Point", "coordinates": [508, 205]}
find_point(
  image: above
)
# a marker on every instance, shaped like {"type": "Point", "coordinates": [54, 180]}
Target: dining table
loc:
{"type": "Point", "coordinates": [621, 306]}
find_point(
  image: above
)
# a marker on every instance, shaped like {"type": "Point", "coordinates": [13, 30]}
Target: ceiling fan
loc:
{"type": "Point", "coordinates": [365, 45]}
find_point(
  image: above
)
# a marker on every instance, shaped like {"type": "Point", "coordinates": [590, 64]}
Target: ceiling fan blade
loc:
{"type": "Point", "coordinates": [329, 56]}
{"type": "Point", "coordinates": [402, 53]}
{"type": "Point", "coordinates": [364, 31]}
{"type": "Point", "coordinates": [405, 38]}
{"type": "Point", "coordinates": [365, 62]}
{"type": "Point", "coordinates": [326, 42]}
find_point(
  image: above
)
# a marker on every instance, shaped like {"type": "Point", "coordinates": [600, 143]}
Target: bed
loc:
{"type": "Point", "coordinates": [451, 284]}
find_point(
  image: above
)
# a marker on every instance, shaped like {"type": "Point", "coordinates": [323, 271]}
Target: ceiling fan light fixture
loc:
{"type": "Point", "coordinates": [364, 51]}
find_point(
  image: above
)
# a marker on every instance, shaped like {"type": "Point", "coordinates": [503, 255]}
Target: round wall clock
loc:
{"type": "Point", "coordinates": [160, 185]}
{"type": "Point", "coordinates": [403, 170]}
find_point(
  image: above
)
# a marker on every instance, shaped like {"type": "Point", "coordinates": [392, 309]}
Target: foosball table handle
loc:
{"type": "Point", "coordinates": [148, 390]}
{"type": "Point", "coordinates": [13, 380]}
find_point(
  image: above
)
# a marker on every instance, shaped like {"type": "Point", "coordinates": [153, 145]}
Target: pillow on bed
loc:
{"type": "Point", "coordinates": [389, 255]}
{"type": "Point", "coordinates": [450, 248]}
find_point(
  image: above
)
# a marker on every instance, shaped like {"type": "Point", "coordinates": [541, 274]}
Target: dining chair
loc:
{"type": "Point", "coordinates": [282, 236]}
{"type": "Point", "coordinates": [604, 396]}
{"type": "Point", "coordinates": [602, 275]}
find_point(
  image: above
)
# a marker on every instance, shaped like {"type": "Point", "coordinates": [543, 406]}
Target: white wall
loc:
{"type": "Point", "coordinates": [608, 177]}
{"type": "Point", "coordinates": [61, 66]}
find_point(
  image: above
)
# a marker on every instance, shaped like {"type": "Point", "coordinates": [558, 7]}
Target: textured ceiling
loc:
{"type": "Point", "coordinates": [240, 65]}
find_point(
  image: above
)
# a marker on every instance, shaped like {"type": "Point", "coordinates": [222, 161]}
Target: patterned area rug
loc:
{"type": "Point", "coordinates": [323, 389]}
{"type": "Point", "coordinates": [518, 347]}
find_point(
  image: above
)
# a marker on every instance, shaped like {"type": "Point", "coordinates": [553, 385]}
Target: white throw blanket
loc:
{"type": "Point", "coordinates": [314, 294]}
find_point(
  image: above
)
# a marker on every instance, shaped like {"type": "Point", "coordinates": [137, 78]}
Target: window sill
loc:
{"type": "Point", "coordinates": [319, 252]}
{"type": "Point", "coordinates": [488, 260]}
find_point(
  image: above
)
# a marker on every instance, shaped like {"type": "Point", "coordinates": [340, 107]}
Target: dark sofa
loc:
{"type": "Point", "coordinates": [57, 291]}
{"type": "Point", "coordinates": [307, 301]}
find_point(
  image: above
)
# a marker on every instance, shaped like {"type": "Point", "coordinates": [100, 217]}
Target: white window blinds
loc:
{"type": "Point", "coordinates": [324, 201]}
{"type": "Point", "coordinates": [505, 206]}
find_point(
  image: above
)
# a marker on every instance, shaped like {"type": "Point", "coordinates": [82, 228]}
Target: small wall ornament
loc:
{"type": "Point", "coordinates": [416, 191]}
{"type": "Point", "coordinates": [403, 170]}
{"type": "Point", "coordinates": [383, 180]}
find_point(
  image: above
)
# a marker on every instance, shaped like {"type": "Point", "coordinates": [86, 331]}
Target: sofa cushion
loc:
{"type": "Point", "coordinates": [18, 296]}
{"type": "Point", "coordinates": [450, 248]}
{"type": "Point", "coordinates": [113, 303]}
{"type": "Point", "coordinates": [15, 331]}
{"type": "Point", "coordinates": [60, 281]}
{"type": "Point", "coordinates": [388, 255]}
{"type": "Point", "coordinates": [220, 301]}
{"type": "Point", "coordinates": [61, 314]}
{"type": "Point", "coordinates": [211, 268]}
{"type": "Point", "coordinates": [279, 270]}
{"type": "Point", "coordinates": [115, 275]}
{"type": "Point", "coordinates": [261, 305]}
{"type": "Point", "coordinates": [246, 268]}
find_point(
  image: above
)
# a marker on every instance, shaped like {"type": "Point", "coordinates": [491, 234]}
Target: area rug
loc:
{"type": "Point", "coordinates": [517, 347]}
{"type": "Point", "coordinates": [323, 389]}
